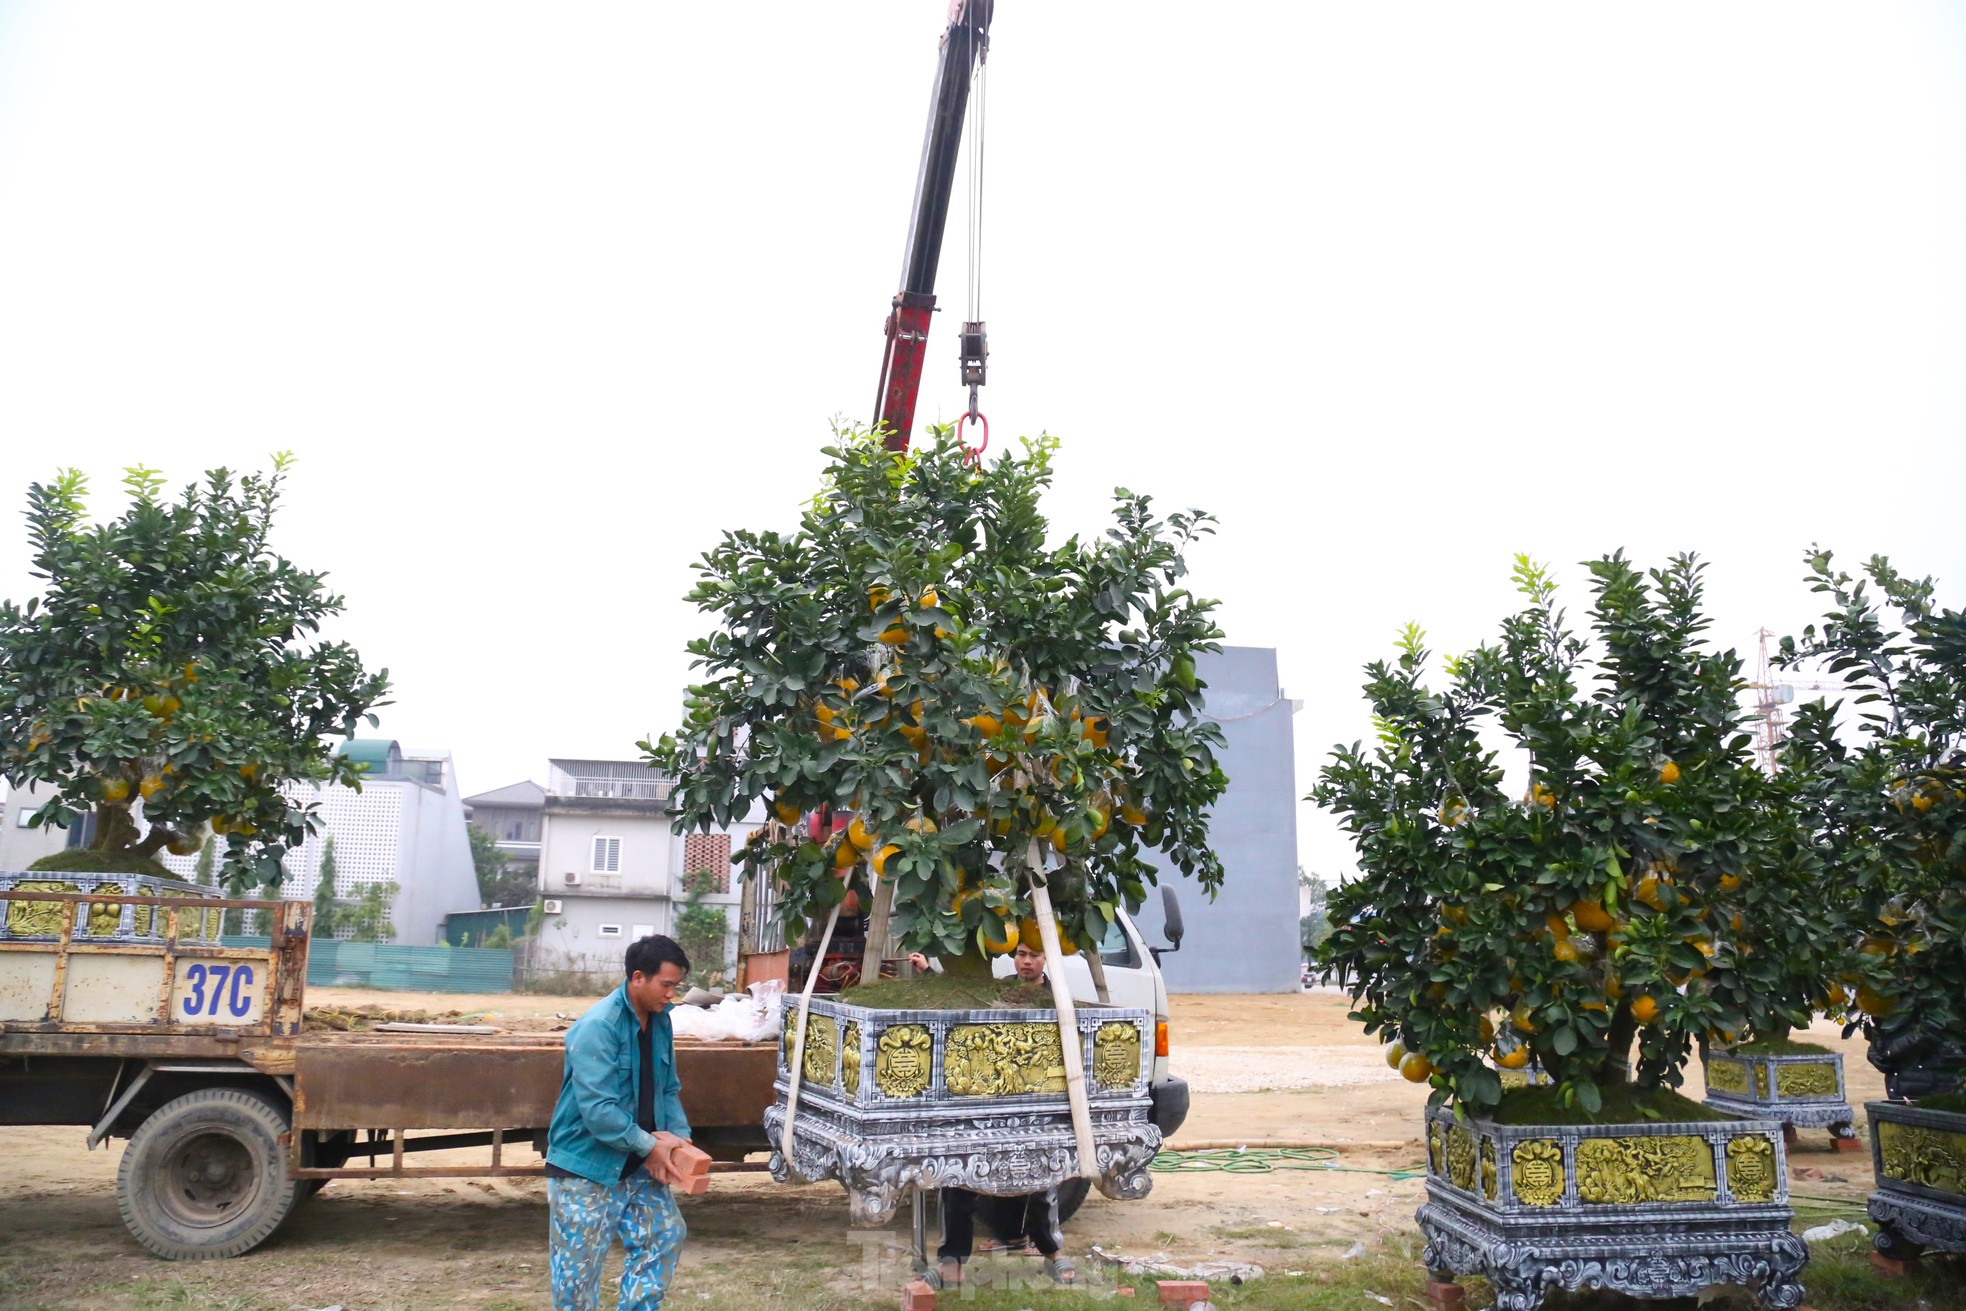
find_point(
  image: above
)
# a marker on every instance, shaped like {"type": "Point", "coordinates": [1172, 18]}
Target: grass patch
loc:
{"type": "Point", "coordinates": [943, 992]}
{"type": "Point", "coordinates": [1624, 1103]}
{"type": "Point", "coordinates": [1955, 1102]}
{"type": "Point", "coordinates": [1777, 1047]}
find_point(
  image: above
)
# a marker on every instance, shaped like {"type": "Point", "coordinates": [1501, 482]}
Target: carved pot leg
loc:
{"type": "Point", "coordinates": [1782, 1288]}
{"type": "Point", "coordinates": [1890, 1241]}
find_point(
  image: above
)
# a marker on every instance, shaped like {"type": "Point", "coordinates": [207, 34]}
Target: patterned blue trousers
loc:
{"type": "Point", "coordinates": [588, 1217]}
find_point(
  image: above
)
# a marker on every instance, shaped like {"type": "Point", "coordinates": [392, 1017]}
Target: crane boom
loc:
{"type": "Point", "coordinates": [964, 44]}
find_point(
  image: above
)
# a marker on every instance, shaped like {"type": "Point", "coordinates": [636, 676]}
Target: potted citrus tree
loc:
{"type": "Point", "coordinates": [1012, 729]}
{"type": "Point", "coordinates": [1885, 780]}
{"type": "Point", "coordinates": [1581, 922]}
{"type": "Point", "coordinates": [162, 690]}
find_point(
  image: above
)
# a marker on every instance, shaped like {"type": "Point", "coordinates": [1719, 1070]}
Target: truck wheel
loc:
{"type": "Point", "coordinates": [205, 1176]}
{"type": "Point", "coordinates": [1071, 1196]}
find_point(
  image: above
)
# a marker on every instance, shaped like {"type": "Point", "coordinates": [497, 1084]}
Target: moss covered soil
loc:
{"type": "Point", "coordinates": [1778, 1047]}
{"type": "Point", "coordinates": [81, 861]}
{"type": "Point", "coordinates": [1623, 1103]}
{"type": "Point", "coordinates": [945, 992]}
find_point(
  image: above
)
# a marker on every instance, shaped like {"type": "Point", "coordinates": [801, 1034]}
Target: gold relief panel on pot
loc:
{"type": "Point", "coordinates": [1930, 1158]}
{"type": "Point", "coordinates": [1436, 1155]}
{"type": "Point", "coordinates": [1116, 1054]}
{"type": "Point", "coordinates": [1726, 1076]}
{"type": "Point", "coordinates": [850, 1057]}
{"type": "Point", "coordinates": [1751, 1168]}
{"type": "Point", "coordinates": [822, 1048]}
{"type": "Point", "coordinates": [1488, 1167]}
{"type": "Point", "coordinates": [37, 918]}
{"type": "Point", "coordinates": [1806, 1079]}
{"type": "Point", "coordinates": [1625, 1171]}
{"type": "Point", "coordinates": [1460, 1157]}
{"type": "Point", "coordinates": [1003, 1060]}
{"type": "Point", "coordinates": [904, 1061]}
{"type": "Point", "coordinates": [1537, 1169]}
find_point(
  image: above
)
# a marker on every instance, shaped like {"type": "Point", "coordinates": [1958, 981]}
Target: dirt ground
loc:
{"type": "Point", "coordinates": [1266, 1071]}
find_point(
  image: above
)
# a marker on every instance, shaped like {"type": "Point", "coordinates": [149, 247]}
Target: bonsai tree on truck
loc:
{"type": "Point", "coordinates": [1885, 787]}
{"type": "Point", "coordinates": [1605, 907]}
{"type": "Point", "coordinates": [998, 740]}
{"type": "Point", "coordinates": [164, 676]}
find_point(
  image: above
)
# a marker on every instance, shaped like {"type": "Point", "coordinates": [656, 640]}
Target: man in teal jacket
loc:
{"type": "Point", "coordinates": [618, 1121]}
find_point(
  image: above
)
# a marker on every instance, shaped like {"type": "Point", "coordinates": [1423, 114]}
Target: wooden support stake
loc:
{"type": "Point", "coordinates": [1069, 1041]}
{"type": "Point", "coordinates": [795, 1059]}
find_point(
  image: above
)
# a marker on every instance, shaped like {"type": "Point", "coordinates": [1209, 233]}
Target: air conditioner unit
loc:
{"type": "Point", "coordinates": [572, 879]}
{"type": "Point", "coordinates": [552, 905]}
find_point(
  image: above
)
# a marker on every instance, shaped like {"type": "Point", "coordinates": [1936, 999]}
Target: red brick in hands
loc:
{"type": "Point", "coordinates": [691, 1161]}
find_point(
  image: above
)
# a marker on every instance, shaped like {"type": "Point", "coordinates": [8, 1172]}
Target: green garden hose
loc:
{"type": "Point", "coordinates": [1265, 1160]}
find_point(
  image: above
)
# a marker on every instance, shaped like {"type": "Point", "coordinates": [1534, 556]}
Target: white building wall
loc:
{"type": "Point", "coordinates": [21, 847]}
{"type": "Point", "coordinates": [391, 831]}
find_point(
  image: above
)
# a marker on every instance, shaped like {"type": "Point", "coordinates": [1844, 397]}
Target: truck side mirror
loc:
{"type": "Point", "coordinates": [1170, 910]}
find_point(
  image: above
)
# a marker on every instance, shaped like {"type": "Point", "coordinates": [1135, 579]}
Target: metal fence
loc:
{"type": "Point", "coordinates": [397, 968]}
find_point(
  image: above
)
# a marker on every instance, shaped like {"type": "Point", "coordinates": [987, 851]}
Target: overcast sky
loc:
{"type": "Point", "coordinates": [545, 297]}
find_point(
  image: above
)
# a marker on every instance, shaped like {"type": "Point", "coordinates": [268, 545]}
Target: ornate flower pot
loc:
{"type": "Point", "coordinates": [1803, 1091]}
{"type": "Point", "coordinates": [107, 920]}
{"type": "Point", "coordinates": [1920, 1160]}
{"type": "Point", "coordinates": [975, 1099]}
{"type": "Point", "coordinates": [1652, 1210]}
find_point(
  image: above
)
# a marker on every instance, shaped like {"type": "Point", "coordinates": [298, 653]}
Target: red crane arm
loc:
{"type": "Point", "coordinates": [964, 44]}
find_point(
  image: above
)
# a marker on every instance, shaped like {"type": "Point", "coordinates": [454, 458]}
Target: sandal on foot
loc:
{"type": "Point", "coordinates": [1061, 1269]}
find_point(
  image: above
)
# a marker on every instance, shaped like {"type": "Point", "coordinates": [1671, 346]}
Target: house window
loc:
{"type": "Point", "coordinates": [607, 859]}
{"type": "Point", "coordinates": [609, 931]}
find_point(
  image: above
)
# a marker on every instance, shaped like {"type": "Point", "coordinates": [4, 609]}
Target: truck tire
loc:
{"type": "Point", "coordinates": [205, 1176]}
{"type": "Point", "coordinates": [1071, 1195]}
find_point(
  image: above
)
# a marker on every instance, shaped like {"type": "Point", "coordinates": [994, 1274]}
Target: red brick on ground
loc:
{"type": "Point", "coordinates": [1182, 1292]}
{"type": "Point", "coordinates": [1847, 1144]}
{"type": "Point", "coordinates": [1890, 1265]}
{"type": "Point", "coordinates": [917, 1296]}
{"type": "Point", "coordinates": [1446, 1296]}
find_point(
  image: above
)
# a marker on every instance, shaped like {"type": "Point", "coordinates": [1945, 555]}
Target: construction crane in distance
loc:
{"type": "Point", "coordinates": [1771, 695]}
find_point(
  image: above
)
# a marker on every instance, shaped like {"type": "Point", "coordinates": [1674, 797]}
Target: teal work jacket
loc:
{"type": "Point", "coordinates": [594, 1133]}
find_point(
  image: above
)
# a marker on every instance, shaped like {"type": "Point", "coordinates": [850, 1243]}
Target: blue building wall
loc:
{"type": "Point", "coordinates": [1246, 940]}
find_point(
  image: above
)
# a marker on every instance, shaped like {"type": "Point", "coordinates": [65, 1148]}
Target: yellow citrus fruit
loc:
{"type": "Point", "coordinates": [1645, 1009]}
{"type": "Point", "coordinates": [1000, 946]}
{"type": "Point", "coordinates": [920, 825]}
{"type": "Point", "coordinates": [1565, 950]}
{"type": "Point", "coordinates": [1028, 934]}
{"type": "Point", "coordinates": [857, 834]}
{"type": "Point", "coordinates": [1098, 732]}
{"type": "Point", "coordinates": [1669, 772]}
{"type": "Point", "coordinates": [1415, 1068]}
{"type": "Point", "coordinates": [1133, 815]}
{"type": "Point", "coordinates": [115, 789]}
{"type": "Point", "coordinates": [876, 598]}
{"type": "Point", "coordinates": [1590, 917]}
{"type": "Point", "coordinates": [1514, 1059]}
{"type": "Point", "coordinates": [1729, 882]}
{"type": "Point", "coordinates": [895, 636]}
{"type": "Point", "coordinates": [987, 725]}
{"type": "Point", "coordinates": [1487, 1030]}
{"type": "Point", "coordinates": [1058, 840]}
{"type": "Point", "coordinates": [846, 856]}
{"type": "Point", "coordinates": [881, 858]}
{"type": "Point", "coordinates": [150, 786]}
{"type": "Point", "coordinates": [787, 812]}
{"type": "Point", "coordinates": [1101, 821]}
{"type": "Point", "coordinates": [1874, 1003]}
{"type": "Point", "coordinates": [1395, 1053]}
{"type": "Point", "coordinates": [1558, 926]}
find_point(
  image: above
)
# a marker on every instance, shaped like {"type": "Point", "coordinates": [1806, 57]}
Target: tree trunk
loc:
{"type": "Point", "coordinates": [878, 919]}
{"type": "Point", "coordinates": [115, 830]}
